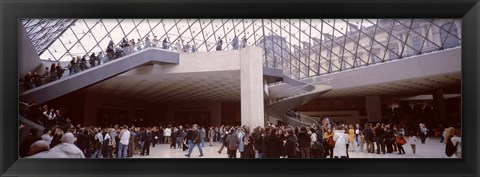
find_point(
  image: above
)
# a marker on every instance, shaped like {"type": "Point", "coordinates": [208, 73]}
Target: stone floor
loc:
{"type": "Point", "coordinates": [431, 149]}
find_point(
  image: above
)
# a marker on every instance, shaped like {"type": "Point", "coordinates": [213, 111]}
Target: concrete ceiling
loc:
{"type": "Point", "coordinates": [400, 88]}
{"type": "Point", "coordinates": [197, 86]}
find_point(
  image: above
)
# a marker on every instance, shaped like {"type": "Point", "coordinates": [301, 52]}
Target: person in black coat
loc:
{"type": "Point", "coordinates": [24, 149]}
{"type": "Point", "coordinates": [258, 141]}
{"type": "Point", "coordinates": [275, 145]}
{"type": "Point", "coordinates": [173, 136]}
{"type": "Point", "coordinates": [369, 138]}
{"type": "Point", "coordinates": [389, 139]}
{"type": "Point", "coordinates": [304, 143]}
{"type": "Point", "coordinates": [147, 137]}
{"type": "Point", "coordinates": [379, 137]}
{"type": "Point", "coordinates": [265, 147]}
{"type": "Point", "coordinates": [290, 149]}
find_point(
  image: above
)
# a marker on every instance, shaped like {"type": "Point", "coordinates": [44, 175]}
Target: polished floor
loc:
{"type": "Point", "coordinates": [431, 149]}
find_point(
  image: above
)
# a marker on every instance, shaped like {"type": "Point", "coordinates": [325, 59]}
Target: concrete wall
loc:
{"type": "Point", "coordinates": [29, 61]}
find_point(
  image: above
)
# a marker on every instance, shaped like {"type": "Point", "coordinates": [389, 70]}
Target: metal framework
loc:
{"type": "Point", "coordinates": [300, 47]}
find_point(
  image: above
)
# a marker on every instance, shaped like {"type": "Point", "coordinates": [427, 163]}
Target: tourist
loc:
{"type": "Point", "coordinates": [351, 138]}
{"type": "Point", "coordinates": [27, 142]}
{"type": "Point", "coordinates": [341, 141]}
{"type": "Point", "coordinates": [47, 137]}
{"type": "Point", "coordinates": [369, 138]}
{"type": "Point", "coordinates": [41, 149]}
{"type": "Point", "coordinates": [147, 42]}
{"type": "Point", "coordinates": [124, 136]}
{"type": "Point", "coordinates": [219, 44]}
{"type": "Point", "coordinates": [155, 41]}
{"type": "Point", "coordinates": [167, 133]}
{"type": "Point", "coordinates": [131, 142]}
{"type": "Point", "coordinates": [97, 145]}
{"type": "Point", "coordinates": [412, 140]}
{"type": "Point", "coordinates": [174, 138]}
{"type": "Point", "coordinates": [178, 45]}
{"type": "Point", "coordinates": [400, 141]}
{"type": "Point", "coordinates": [165, 43]}
{"type": "Point", "coordinates": [290, 148]}
{"type": "Point", "coordinates": [257, 142]}
{"type": "Point", "coordinates": [67, 147]}
{"type": "Point", "coordinates": [235, 43]}
{"type": "Point", "coordinates": [203, 135]}
{"type": "Point", "coordinates": [423, 131]}
{"type": "Point", "coordinates": [107, 144]}
{"type": "Point", "coordinates": [244, 42]}
{"type": "Point", "coordinates": [232, 142]}
{"type": "Point", "coordinates": [457, 142]}
{"type": "Point", "coordinates": [92, 60]}
{"type": "Point", "coordinates": [329, 143]}
{"type": "Point", "coordinates": [139, 45]}
{"type": "Point", "coordinates": [304, 142]}
{"type": "Point", "coordinates": [211, 135]}
{"type": "Point", "coordinates": [194, 139]}
{"type": "Point", "coordinates": [379, 138]}
{"type": "Point", "coordinates": [57, 137]}
{"type": "Point", "coordinates": [147, 138]}
{"type": "Point", "coordinates": [275, 143]}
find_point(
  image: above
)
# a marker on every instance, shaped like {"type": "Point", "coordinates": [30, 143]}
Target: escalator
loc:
{"type": "Point", "coordinates": [99, 73]}
{"type": "Point", "coordinates": [285, 97]}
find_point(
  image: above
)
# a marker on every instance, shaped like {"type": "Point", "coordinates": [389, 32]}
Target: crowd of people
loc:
{"type": "Point", "coordinates": [112, 52]}
{"type": "Point", "coordinates": [45, 116]}
{"type": "Point", "coordinates": [316, 141]}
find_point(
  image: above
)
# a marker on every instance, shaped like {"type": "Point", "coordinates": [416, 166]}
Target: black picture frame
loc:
{"type": "Point", "coordinates": [11, 11]}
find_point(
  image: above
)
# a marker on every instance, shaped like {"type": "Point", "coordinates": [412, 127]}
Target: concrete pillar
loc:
{"type": "Point", "coordinates": [439, 105]}
{"type": "Point", "coordinates": [251, 87]}
{"type": "Point", "coordinates": [374, 110]}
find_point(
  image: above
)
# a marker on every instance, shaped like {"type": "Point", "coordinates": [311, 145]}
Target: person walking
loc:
{"type": "Point", "coordinates": [232, 142]}
{"type": "Point", "coordinates": [211, 135]}
{"type": "Point", "coordinates": [412, 139]}
{"type": "Point", "coordinates": [194, 139]}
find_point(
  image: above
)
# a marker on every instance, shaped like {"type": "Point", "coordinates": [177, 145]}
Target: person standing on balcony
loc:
{"type": "Point", "coordinates": [147, 42]}
{"type": "Point", "coordinates": [219, 44]}
{"type": "Point", "coordinates": [155, 41]}
{"type": "Point", "coordinates": [244, 42]}
{"type": "Point", "coordinates": [235, 43]}
{"type": "Point", "coordinates": [165, 43]}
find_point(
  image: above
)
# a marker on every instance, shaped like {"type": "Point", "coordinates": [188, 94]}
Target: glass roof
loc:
{"type": "Point", "coordinates": [43, 32]}
{"type": "Point", "coordinates": [300, 47]}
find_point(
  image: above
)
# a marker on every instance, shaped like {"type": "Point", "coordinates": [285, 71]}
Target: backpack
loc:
{"type": "Point", "coordinates": [450, 149]}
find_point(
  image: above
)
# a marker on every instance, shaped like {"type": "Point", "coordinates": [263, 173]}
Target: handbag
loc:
{"type": "Point", "coordinates": [330, 142]}
{"type": "Point", "coordinates": [400, 140]}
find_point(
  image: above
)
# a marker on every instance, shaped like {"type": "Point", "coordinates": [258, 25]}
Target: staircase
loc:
{"type": "Point", "coordinates": [99, 73]}
{"type": "Point", "coordinates": [285, 97]}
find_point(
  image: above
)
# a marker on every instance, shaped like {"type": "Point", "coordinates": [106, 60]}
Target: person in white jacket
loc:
{"type": "Point", "coordinates": [341, 140]}
{"type": "Point", "coordinates": [167, 133]}
{"type": "Point", "coordinates": [67, 147]}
